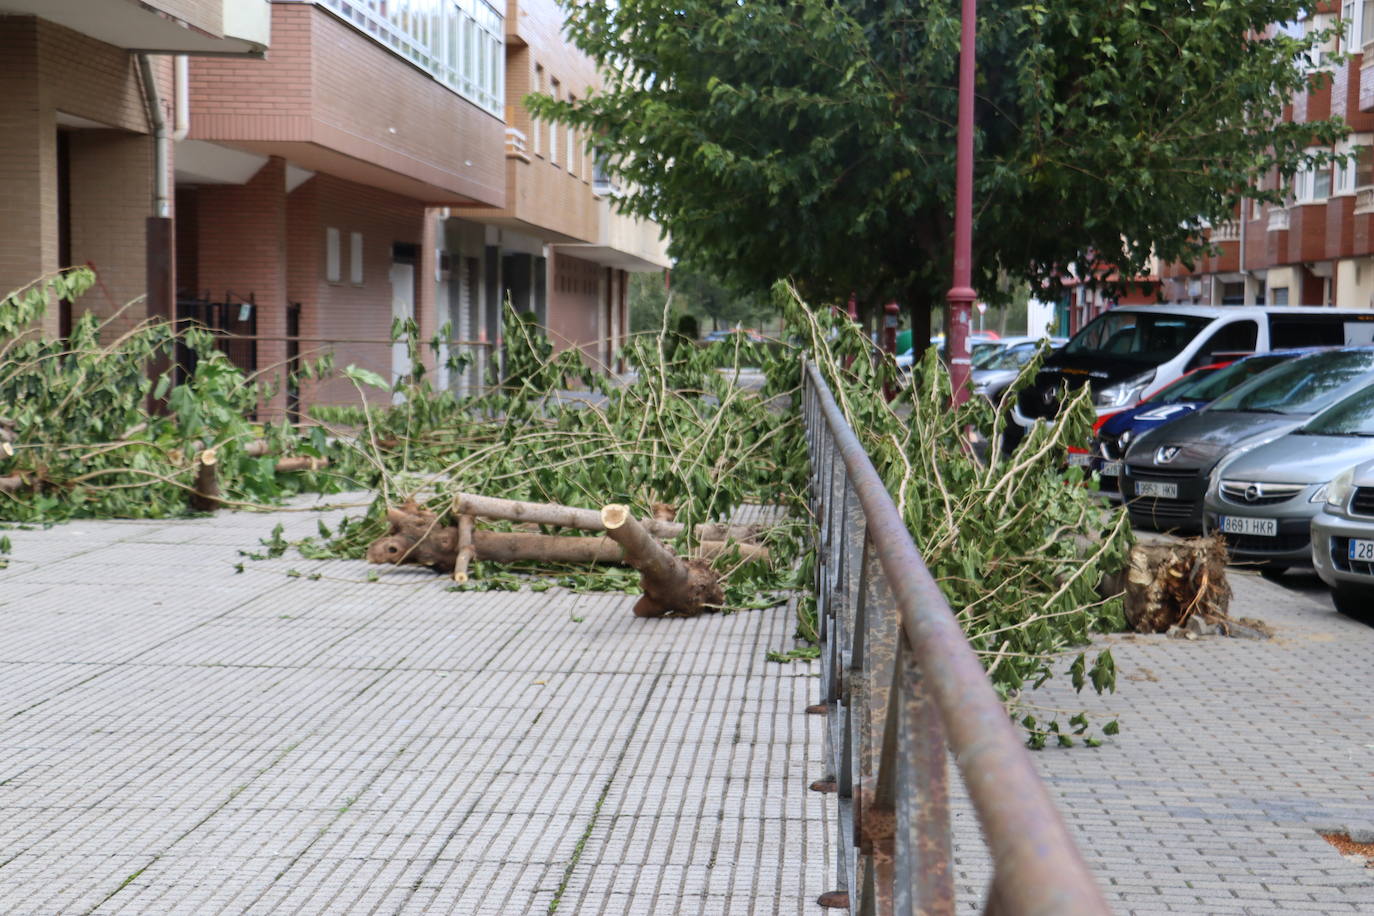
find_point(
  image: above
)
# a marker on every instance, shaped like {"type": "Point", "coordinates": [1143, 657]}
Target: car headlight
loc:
{"type": "Point", "coordinates": [1338, 490]}
{"type": "Point", "coordinates": [1124, 393]}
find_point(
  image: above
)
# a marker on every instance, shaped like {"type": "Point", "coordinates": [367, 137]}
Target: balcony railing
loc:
{"type": "Point", "coordinates": [1226, 232]}
{"type": "Point", "coordinates": [461, 43]}
{"type": "Point", "coordinates": [903, 693]}
{"type": "Point", "coordinates": [517, 144]}
{"type": "Point", "coordinates": [1278, 219]}
{"type": "Point", "coordinates": [1364, 200]}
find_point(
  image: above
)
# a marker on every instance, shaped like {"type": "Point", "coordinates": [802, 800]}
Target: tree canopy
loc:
{"type": "Point", "coordinates": [815, 139]}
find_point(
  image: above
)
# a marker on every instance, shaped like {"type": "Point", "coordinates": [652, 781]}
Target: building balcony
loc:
{"type": "Point", "coordinates": [517, 144]}
{"type": "Point", "coordinates": [1364, 201]}
{"type": "Point", "coordinates": [625, 242]}
{"type": "Point", "coordinates": [1278, 219]}
{"type": "Point", "coordinates": [1225, 232]}
{"type": "Point", "coordinates": [160, 26]}
{"type": "Point", "coordinates": [335, 98]}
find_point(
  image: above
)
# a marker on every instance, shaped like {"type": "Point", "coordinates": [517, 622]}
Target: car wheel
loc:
{"type": "Point", "coordinates": [1354, 600]}
{"type": "Point", "coordinates": [1272, 571]}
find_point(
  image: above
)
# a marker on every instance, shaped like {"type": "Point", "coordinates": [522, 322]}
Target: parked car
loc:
{"type": "Point", "coordinates": [1114, 433]}
{"type": "Point", "coordinates": [995, 369]}
{"type": "Point", "coordinates": [1166, 470]}
{"type": "Point", "coordinates": [1128, 353]}
{"type": "Point", "coordinates": [1264, 501]}
{"type": "Point", "coordinates": [977, 346]}
{"type": "Point", "coordinates": [1343, 532]}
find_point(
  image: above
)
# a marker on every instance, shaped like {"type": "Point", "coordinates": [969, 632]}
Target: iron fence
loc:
{"type": "Point", "coordinates": [902, 690]}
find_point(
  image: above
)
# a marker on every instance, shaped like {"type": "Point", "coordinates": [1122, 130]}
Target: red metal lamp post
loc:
{"type": "Point", "coordinates": [961, 295]}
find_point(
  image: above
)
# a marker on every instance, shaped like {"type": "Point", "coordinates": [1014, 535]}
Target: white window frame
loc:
{"type": "Point", "coordinates": [555, 91]}
{"type": "Point", "coordinates": [333, 268]}
{"type": "Point", "coordinates": [536, 125]}
{"type": "Point", "coordinates": [355, 258]}
{"type": "Point", "coordinates": [1304, 186]}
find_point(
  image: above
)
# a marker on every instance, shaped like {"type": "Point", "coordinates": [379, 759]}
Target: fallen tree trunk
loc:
{"type": "Point", "coordinates": [514, 510]}
{"type": "Point", "coordinates": [418, 537]}
{"type": "Point", "coordinates": [467, 551]}
{"type": "Point", "coordinates": [669, 582]}
{"type": "Point", "coordinates": [300, 463]}
{"type": "Point", "coordinates": [11, 484]}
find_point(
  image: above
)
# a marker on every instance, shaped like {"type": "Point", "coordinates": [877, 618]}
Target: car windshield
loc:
{"type": "Point", "coordinates": [1207, 385]}
{"type": "Point", "coordinates": [1008, 357]}
{"type": "Point", "coordinates": [1145, 337]}
{"type": "Point", "coordinates": [1301, 386]}
{"type": "Point", "coordinates": [1352, 417]}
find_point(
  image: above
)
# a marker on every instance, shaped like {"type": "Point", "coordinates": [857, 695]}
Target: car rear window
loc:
{"type": "Point", "coordinates": [1301, 386]}
{"type": "Point", "coordinates": [1206, 386]}
{"type": "Point", "coordinates": [1352, 417]}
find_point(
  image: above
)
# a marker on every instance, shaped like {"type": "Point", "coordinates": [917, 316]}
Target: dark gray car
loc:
{"type": "Point", "coordinates": [1167, 469]}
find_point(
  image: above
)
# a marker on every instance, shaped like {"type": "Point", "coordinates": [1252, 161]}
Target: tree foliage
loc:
{"type": "Point", "coordinates": [815, 140]}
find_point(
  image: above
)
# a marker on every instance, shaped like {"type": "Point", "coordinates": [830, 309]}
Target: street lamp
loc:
{"type": "Point", "coordinates": [961, 295]}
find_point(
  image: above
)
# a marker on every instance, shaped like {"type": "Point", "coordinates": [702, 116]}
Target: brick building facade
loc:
{"type": "Point", "coordinates": [330, 167]}
{"type": "Point", "coordinates": [1318, 247]}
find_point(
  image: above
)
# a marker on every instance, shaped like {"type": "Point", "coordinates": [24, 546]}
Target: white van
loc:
{"type": "Point", "coordinates": [1131, 352]}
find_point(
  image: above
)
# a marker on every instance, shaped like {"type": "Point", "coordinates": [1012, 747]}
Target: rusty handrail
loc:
{"type": "Point", "coordinates": [899, 683]}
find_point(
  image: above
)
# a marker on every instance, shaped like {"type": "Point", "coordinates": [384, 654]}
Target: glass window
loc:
{"type": "Point", "coordinates": [1209, 384]}
{"type": "Point", "coordinates": [1364, 166]}
{"type": "Point", "coordinates": [1353, 416]}
{"type": "Point", "coordinates": [1145, 337]}
{"type": "Point", "coordinates": [1305, 331]}
{"type": "Point", "coordinates": [1013, 357]}
{"type": "Point", "coordinates": [1230, 340]}
{"type": "Point", "coordinates": [1304, 385]}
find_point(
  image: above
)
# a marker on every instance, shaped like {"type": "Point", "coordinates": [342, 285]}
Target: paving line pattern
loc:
{"type": "Point", "coordinates": [176, 737]}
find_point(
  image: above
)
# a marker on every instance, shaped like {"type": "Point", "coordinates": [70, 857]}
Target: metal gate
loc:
{"type": "Point", "coordinates": [233, 321]}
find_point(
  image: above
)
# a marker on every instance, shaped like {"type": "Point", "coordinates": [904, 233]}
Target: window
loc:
{"type": "Point", "coordinates": [555, 90]}
{"type": "Point", "coordinates": [572, 142]}
{"type": "Point", "coordinates": [536, 140]}
{"type": "Point", "coordinates": [1305, 331]}
{"type": "Point", "coordinates": [1358, 20]}
{"type": "Point", "coordinates": [1312, 183]}
{"type": "Point", "coordinates": [332, 269]}
{"type": "Point", "coordinates": [355, 258]}
{"type": "Point", "coordinates": [1227, 342]}
{"type": "Point", "coordinates": [1278, 296]}
{"type": "Point", "coordinates": [1321, 55]}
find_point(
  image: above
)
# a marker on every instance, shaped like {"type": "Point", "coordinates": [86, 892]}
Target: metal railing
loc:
{"type": "Point", "coordinates": [517, 144]}
{"type": "Point", "coordinates": [902, 688]}
{"type": "Point", "coordinates": [1278, 219]}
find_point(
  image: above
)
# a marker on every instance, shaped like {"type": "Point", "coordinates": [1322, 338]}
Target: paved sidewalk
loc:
{"type": "Point", "coordinates": [179, 738]}
{"type": "Point", "coordinates": [1232, 755]}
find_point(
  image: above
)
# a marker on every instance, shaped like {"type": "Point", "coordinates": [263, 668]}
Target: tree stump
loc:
{"type": "Point", "coordinates": [1169, 582]}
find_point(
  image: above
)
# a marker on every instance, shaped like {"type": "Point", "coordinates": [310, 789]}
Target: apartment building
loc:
{"type": "Point", "coordinates": [1317, 248]}
{"type": "Point", "coordinates": [84, 176]}
{"type": "Point", "coordinates": [347, 164]}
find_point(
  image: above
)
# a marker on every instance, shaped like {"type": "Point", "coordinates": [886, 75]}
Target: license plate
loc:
{"type": "Point", "coordinates": [1156, 489]}
{"type": "Point", "coordinates": [1079, 459]}
{"type": "Point", "coordinates": [1111, 469]}
{"type": "Point", "coordinates": [1362, 550]}
{"type": "Point", "coordinates": [1240, 524]}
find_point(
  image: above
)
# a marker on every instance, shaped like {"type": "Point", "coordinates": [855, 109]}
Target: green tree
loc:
{"type": "Point", "coordinates": [815, 139]}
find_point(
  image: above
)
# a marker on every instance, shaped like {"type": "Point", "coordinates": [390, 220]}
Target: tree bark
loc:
{"type": "Point", "coordinates": [670, 583]}
{"type": "Point", "coordinates": [300, 463]}
{"type": "Point", "coordinates": [513, 510]}
{"type": "Point", "coordinates": [418, 537]}
{"type": "Point", "coordinates": [466, 551]}
{"type": "Point", "coordinates": [205, 492]}
{"type": "Point", "coordinates": [11, 484]}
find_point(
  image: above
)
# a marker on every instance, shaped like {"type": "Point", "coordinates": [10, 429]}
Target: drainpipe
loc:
{"type": "Point", "coordinates": [1244, 274]}
{"type": "Point", "coordinates": [160, 276]}
{"type": "Point", "coordinates": [181, 111]}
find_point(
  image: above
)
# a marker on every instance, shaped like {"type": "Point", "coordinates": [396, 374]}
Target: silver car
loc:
{"type": "Point", "coordinates": [1263, 501]}
{"type": "Point", "coordinates": [1343, 538]}
{"type": "Point", "coordinates": [994, 373]}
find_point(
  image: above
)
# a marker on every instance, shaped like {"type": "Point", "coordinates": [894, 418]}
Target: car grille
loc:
{"type": "Point", "coordinates": [1340, 558]}
{"type": "Point", "coordinates": [1266, 494]}
{"type": "Point", "coordinates": [1281, 543]}
{"type": "Point", "coordinates": [1154, 472]}
{"type": "Point", "coordinates": [1107, 484]}
{"type": "Point", "coordinates": [1363, 501]}
{"type": "Point", "coordinates": [1163, 508]}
